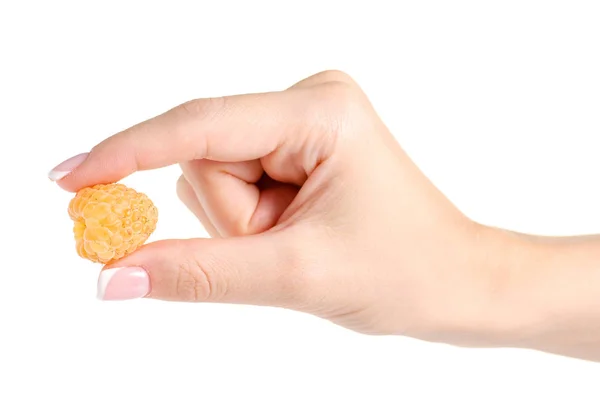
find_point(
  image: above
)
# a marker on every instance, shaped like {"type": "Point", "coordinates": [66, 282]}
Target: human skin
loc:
{"type": "Point", "coordinates": [312, 205]}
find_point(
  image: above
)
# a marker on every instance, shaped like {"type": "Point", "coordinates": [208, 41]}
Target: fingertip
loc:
{"type": "Point", "coordinates": [100, 166]}
{"type": "Point", "coordinates": [60, 173]}
{"type": "Point", "coordinates": [123, 283]}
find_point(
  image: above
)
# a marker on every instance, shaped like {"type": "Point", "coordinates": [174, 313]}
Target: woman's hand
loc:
{"type": "Point", "coordinates": [312, 206]}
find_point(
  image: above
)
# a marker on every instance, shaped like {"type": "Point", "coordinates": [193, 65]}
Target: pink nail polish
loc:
{"type": "Point", "coordinates": [125, 283]}
{"type": "Point", "coordinates": [63, 169]}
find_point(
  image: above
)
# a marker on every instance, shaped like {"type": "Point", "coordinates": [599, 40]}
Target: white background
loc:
{"type": "Point", "coordinates": [497, 101]}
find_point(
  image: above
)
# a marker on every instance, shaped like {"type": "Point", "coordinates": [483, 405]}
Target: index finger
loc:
{"type": "Point", "coordinates": [230, 128]}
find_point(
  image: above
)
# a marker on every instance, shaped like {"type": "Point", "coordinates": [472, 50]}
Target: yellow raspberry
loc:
{"type": "Point", "coordinates": [111, 221]}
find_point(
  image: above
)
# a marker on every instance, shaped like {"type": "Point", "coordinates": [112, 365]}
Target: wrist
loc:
{"type": "Point", "coordinates": [480, 305]}
{"type": "Point", "coordinates": [544, 293]}
{"type": "Point", "coordinates": [511, 316]}
{"type": "Point", "coordinates": [496, 306]}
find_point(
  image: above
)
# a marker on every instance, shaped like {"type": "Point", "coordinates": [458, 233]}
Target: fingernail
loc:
{"type": "Point", "coordinates": [63, 169]}
{"type": "Point", "coordinates": [125, 283]}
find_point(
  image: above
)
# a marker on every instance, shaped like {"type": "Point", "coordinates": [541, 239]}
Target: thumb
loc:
{"type": "Point", "coordinates": [256, 269]}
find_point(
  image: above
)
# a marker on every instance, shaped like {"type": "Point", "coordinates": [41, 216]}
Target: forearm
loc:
{"type": "Point", "coordinates": [549, 295]}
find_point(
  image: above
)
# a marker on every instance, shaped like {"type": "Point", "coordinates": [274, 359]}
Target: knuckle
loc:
{"type": "Point", "coordinates": [194, 283]}
{"type": "Point", "coordinates": [338, 94]}
{"type": "Point", "coordinates": [191, 107]}
{"type": "Point", "coordinates": [204, 107]}
{"type": "Point", "coordinates": [334, 75]}
{"type": "Point", "coordinates": [339, 106]}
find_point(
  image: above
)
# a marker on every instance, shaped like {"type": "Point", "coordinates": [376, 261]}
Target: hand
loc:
{"type": "Point", "coordinates": [312, 206]}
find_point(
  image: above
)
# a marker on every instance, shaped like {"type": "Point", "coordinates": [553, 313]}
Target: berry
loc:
{"type": "Point", "coordinates": [111, 221]}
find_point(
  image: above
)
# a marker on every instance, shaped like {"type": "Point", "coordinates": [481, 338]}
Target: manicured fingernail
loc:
{"type": "Point", "coordinates": [125, 283]}
{"type": "Point", "coordinates": [63, 169]}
